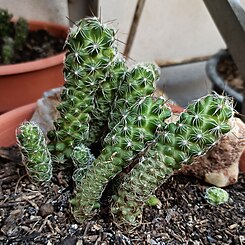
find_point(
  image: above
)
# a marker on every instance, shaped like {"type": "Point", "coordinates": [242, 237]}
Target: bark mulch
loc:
{"type": "Point", "coordinates": [31, 214]}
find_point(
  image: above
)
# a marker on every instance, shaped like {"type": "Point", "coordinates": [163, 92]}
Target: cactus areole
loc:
{"type": "Point", "coordinates": [105, 102]}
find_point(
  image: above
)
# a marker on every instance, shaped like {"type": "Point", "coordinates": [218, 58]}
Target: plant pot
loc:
{"type": "Point", "coordinates": [219, 84]}
{"type": "Point", "coordinates": [24, 83]}
{"type": "Point", "coordinates": [10, 120]}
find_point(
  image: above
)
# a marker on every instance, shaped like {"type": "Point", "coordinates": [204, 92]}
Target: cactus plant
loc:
{"type": "Point", "coordinates": [197, 129]}
{"type": "Point", "coordinates": [216, 196]}
{"type": "Point", "coordinates": [13, 35]}
{"type": "Point", "coordinates": [104, 101]}
{"type": "Point", "coordinates": [127, 139]}
{"type": "Point", "coordinates": [35, 152]}
{"type": "Point", "coordinates": [83, 160]}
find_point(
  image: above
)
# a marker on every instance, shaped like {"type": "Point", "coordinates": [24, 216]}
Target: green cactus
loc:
{"type": "Point", "coordinates": [83, 160]}
{"type": "Point", "coordinates": [91, 74]}
{"type": "Point", "coordinates": [138, 82]}
{"type": "Point", "coordinates": [105, 102]}
{"type": "Point", "coordinates": [6, 25]}
{"type": "Point", "coordinates": [216, 196]}
{"type": "Point", "coordinates": [197, 129]}
{"type": "Point", "coordinates": [12, 35]}
{"type": "Point", "coordinates": [21, 33]}
{"type": "Point", "coordinates": [126, 140]}
{"type": "Point", "coordinates": [34, 150]}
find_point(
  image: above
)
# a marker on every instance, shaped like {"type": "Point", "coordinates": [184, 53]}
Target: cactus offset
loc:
{"type": "Point", "coordinates": [6, 25]}
{"type": "Point", "coordinates": [21, 33]}
{"type": "Point", "coordinates": [197, 129]}
{"type": "Point", "coordinates": [83, 160]}
{"type": "Point", "coordinates": [35, 153]}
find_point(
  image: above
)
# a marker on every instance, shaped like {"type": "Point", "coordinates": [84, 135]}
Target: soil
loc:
{"type": "Point", "coordinates": [31, 214]}
{"type": "Point", "coordinates": [39, 44]}
{"type": "Point", "coordinates": [229, 72]}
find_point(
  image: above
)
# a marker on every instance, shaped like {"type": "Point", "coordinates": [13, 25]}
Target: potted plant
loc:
{"type": "Point", "coordinates": [225, 78]}
{"type": "Point", "coordinates": [32, 69]}
{"type": "Point", "coordinates": [112, 138]}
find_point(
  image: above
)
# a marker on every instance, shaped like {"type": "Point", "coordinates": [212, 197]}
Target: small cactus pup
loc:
{"type": "Point", "coordinates": [127, 139]}
{"type": "Point", "coordinates": [35, 153]}
{"type": "Point", "coordinates": [91, 74]}
{"type": "Point", "coordinates": [83, 160]}
{"type": "Point", "coordinates": [216, 196]}
{"type": "Point", "coordinates": [198, 128]}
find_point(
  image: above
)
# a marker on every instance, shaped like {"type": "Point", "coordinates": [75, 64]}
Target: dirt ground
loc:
{"type": "Point", "coordinates": [31, 214]}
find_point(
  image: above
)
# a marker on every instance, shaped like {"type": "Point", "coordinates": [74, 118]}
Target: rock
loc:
{"type": "Point", "coordinates": [46, 111]}
{"type": "Point", "coordinates": [220, 166]}
{"type": "Point", "coordinates": [242, 162]}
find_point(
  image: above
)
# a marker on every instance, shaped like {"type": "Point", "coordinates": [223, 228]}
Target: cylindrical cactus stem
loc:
{"type": "Point", "coordinates": [21, 33]}
{"type": "Point", "coordinates": [127, 139]}
{"type": "Point", "coordinates": [139, 82]}
{"type": "Point", "coordinates": [197, 129]}
{"type": "Point", "coordinates": [90, 81]}
{"type": "Point", "coordinates": [35, 153]}
{"type": "Point", "coordinates": [104, 100]}
{"type": "Point", "coordinates": [7, 51]}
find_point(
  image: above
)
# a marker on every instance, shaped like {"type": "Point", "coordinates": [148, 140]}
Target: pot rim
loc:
{"type": "Point", "coordinates": [39, 64]}
{"type": "Point", "coordinates": [216, 79]}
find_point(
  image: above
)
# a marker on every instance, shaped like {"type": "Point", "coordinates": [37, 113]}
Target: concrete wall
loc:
{"type": "Point", "coordinates": [168, 30]}
{"type": "Point", "coordinates": [46, 10]}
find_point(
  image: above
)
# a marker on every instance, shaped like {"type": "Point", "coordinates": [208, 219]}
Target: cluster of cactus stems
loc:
{"type": "Point", "coordinates": [12, 35]}
{"type": "Point", "coordinates": [104, 101]}
{"type": "Point", "coordinates": [197, 129]}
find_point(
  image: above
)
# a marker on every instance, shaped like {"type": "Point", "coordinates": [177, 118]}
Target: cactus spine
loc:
{"type": "Point", "coordinates": [35, 152]}
{"type": "Point", "coordinates": [197, 129]}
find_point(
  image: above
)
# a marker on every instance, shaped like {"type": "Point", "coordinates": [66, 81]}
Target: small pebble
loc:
{"type": "Point", "coordinates": [46, 209]}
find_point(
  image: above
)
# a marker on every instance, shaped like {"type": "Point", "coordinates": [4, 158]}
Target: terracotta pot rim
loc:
{"type": "Point", "coordinates": [10, 120]}
{"type": "Point", "coordinates": [39, 64]}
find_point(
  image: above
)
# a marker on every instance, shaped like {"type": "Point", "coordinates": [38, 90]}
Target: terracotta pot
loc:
{"type": "Point", "coordinates": [24, 83]}
{"type": "Point", "coordinates": [10, 120]}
